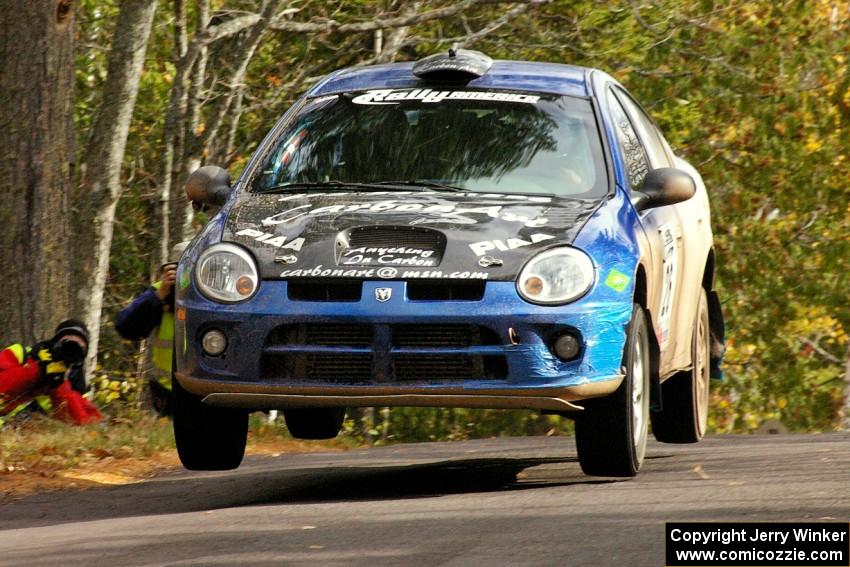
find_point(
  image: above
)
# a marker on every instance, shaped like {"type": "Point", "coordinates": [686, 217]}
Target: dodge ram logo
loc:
{"type": "Point", "coordinates": [383, 294]}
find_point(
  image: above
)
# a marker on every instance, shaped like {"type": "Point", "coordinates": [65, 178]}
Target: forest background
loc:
{"type": "Point", "coordinates": [107, 106]}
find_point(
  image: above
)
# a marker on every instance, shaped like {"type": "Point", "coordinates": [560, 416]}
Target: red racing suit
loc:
{"type": "Point", "coordinates": [20, 382]}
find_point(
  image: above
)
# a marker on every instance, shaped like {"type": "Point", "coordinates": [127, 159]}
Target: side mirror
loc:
{"type": "Point", "coordinates": [209, 185]}
{"type": "Point", "coordinates": [664, 186]}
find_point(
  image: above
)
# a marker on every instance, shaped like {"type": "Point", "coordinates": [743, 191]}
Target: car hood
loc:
{"type": "Point", "coordinates": [401, 235]}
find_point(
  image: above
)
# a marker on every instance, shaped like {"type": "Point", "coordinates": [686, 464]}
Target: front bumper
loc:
{"type": "Point", "coordinates": [512, 368]}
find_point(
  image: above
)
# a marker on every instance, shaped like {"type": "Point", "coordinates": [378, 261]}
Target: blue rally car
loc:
{"type": "Point", "coordinates": [457, 232]}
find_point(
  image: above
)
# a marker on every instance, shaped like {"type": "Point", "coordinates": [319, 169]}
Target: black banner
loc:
{"type": "Point", "coordinates": [697, 544]}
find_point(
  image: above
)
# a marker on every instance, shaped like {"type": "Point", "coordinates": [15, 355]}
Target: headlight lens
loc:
{"type": "Point", "coordinates": [558, 275]}
{"type": "Point", "coordinates": [227, 273]}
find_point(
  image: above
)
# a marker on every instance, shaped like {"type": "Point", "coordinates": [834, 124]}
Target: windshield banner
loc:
{"type": "Point", "coordinates": [389, 96]}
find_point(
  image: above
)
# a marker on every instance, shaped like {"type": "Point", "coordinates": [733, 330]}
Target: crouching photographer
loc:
{"type": "Point", "coordinates": [51, 369]}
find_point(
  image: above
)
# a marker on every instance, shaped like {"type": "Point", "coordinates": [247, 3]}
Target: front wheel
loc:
{"type": "Point", "coordinates": [684, 396]}
{"type": "Point", "coordinates": [611, 432]}
{"type": "Point", "coordinates": [208, 438]}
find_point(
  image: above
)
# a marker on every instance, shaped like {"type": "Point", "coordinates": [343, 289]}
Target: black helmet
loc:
{"type": "Point", "coordinates": [71, 327]}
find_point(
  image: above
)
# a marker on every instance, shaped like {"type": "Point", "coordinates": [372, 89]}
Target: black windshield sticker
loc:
{"type": "Point", "coordinates": [389, 96]}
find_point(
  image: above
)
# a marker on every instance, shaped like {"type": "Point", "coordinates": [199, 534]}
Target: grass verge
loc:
{"type": "Point", "coordinates": [43, 454]}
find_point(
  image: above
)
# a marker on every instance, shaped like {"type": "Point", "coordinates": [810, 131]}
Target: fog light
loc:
{"type": "Point", "coordinates": [214, 342]}
{"type": "Point", "coordinates": [567, 346]}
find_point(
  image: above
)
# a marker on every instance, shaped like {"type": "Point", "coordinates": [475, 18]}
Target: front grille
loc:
{"type": "Point", "coordinates": [442, 290]}
{"type": "Point", "coordinates": [334, 368]}
{"type": "Point", "coordinates": [416, 368]}
{"type": "Point", "coordinates": [306, 290]}
{"type": "Point", "coordinates": [322, 334]}
{"type": "Point", "coordinates": [395, 236]}
{"type": "Point", "coordinates": [435, 336]}
{"type": "Point", "coordinates": [393, 364]}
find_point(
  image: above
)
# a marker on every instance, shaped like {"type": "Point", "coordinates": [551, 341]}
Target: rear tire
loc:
{"type": "Point", "coordinates": [684, 396]}
{"type": "Point", "coordinates": [208, 438]}
{"type": "Point", "coordinates": [314, 423]}
{"type": "Point", "coordinates": [611, 432]}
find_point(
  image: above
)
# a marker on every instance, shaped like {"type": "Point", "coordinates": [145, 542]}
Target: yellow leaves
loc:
{"type": "Point", "coordinates": [813, 144]}
{"type": "Point", "coordinates": [751, 420]}
{"type": "Point", "coordinates": [781, 404]}
{"type": "Point", "coordinates": [815, 328]}
{"type": "Point", "coordinates": [780, 127]}
{"type": "Point", "coordinates": [108, 390]}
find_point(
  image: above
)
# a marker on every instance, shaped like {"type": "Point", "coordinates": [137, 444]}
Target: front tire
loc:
{"type": "Point", "coordinates": [684, 396]}
{"type": "Point", "coordinates": [208, 438]}
{"type": "Point", "coordinates": [314, 423]}
{"type": "Point", "coordinates": [611, 432]}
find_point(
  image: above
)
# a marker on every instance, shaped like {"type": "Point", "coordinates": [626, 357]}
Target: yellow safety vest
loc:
{"type": "Point", "coordinates": [162, 346]}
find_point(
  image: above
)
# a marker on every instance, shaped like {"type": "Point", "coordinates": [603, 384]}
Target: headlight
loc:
{"type": "Point", "coordinates": [226, 273]}
{"type": "Point", "coordinates": [559, 275]}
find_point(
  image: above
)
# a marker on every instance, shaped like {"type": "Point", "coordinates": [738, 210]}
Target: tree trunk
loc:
{"type": "Point", "coordinates": [36, 160]}
{"type": "Point", "coordinates": [100, 186]}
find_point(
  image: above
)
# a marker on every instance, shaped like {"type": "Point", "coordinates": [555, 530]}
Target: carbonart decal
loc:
{"type": "Point", "coordinates": [403, 230]}
{"type": "Point", "coordinates": [383, 273]}
{"type": "Point", "coordinates": [460, 213]}
{"type": "Point", "coordinates": [389, 96]}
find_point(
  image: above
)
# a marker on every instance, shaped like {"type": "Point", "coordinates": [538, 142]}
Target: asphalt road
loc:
{"type": "Point", "coordinates": [519, 501]}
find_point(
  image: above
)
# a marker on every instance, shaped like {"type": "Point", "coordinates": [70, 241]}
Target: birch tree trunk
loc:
{"type": "Point", "coordinates": [100, 186]}
{"type": "Point", "coordinates": [36, 157]}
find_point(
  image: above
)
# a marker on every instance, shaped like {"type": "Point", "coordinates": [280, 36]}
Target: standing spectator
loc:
{"type": "Point", "coordinates": [152, 314]}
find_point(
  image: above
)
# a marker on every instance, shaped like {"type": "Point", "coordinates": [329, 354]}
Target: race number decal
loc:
{"type": "Point", "coordinates": [668, 282]}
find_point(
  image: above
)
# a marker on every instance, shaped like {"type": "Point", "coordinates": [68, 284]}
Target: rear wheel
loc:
{"type": "Point", "coordinates": [684, 397]}
{"type": "Point", "coordinates": [314, 423]}
{"type": "Point", "coordinates": [611, 431]}
{"type": "Point", "coordinates": [208, 438]}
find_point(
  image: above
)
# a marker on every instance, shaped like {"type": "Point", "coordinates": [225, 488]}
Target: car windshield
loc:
{"type": "Point", "coordinates": [485, 141]}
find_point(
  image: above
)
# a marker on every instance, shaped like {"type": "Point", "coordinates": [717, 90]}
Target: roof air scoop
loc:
{"type": "Point", "coordinates": [459, 65]}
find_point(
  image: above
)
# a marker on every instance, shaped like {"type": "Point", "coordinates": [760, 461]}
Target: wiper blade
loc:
{"type": "Point", "coordinates": [411, 185]}
{"type": "Point", "coordinates": [335, 185]}
{"type": "Point", "coordinates": [324, 185]}
{"type": "Point", "coordinates": [424, 184]}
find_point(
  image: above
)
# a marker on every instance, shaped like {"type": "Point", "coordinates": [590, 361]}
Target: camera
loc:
{"type": "Point", "coordinates": [68, 351]}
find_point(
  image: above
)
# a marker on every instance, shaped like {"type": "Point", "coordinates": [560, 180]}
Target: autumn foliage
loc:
{"type": "Point", "coordinates": [755, 94]}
